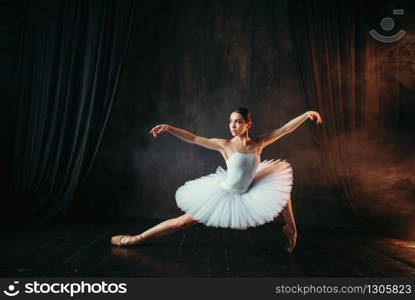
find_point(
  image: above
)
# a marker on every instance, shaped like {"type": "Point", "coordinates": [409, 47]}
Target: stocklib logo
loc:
{"type": "Point", "coordinates": [12, 291]}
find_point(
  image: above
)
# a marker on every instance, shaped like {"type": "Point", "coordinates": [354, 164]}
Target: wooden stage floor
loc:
{"type": "Point", "coordinates": [84, 250]}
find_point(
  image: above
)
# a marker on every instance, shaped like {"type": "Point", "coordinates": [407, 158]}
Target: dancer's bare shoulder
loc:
{"type": "Point", "coordinates": [229, 147]}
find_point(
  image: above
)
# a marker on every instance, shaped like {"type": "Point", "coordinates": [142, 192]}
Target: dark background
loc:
{"type": "Point", "coordinates": [189, 64]}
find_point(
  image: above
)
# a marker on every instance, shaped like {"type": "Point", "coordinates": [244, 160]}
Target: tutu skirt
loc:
{"type": "Point", "coordinates": [209, 203]}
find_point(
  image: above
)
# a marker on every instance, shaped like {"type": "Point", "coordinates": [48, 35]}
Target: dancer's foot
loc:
{"type": "Point", "coordinates": [126, 240]}
{"type": "Point", "coordinates": [119, 240]}
{"type": "Point", "coordinates": [290, 230]}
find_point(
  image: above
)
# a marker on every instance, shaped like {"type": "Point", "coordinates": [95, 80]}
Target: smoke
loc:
{"type": "Point", "coordinates": [396, 60]}
{"type": "Point", "coordinates": [380, 168]}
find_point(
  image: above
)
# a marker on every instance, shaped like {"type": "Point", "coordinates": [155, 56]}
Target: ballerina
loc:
{"type": "Point", "coordinates": [249, 193]}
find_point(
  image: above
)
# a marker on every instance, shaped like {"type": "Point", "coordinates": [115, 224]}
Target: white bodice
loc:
{"type": "Point", "coordinates": [241, 168]}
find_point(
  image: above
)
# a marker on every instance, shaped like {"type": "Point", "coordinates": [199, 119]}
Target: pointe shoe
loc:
{"type": "Point", "coordinates": [291, 232]}
{"type": "Point", "coordinates": [120, 240]}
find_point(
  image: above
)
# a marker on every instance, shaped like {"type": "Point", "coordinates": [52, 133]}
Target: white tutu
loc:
{"type": "Point", "coordinates": [267, 192]}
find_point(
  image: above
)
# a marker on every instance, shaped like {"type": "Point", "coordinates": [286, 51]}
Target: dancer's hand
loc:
{"type": "Point", "coordinates": [313, 114]}
{"type": "Point", "coordinates": [159, 129]}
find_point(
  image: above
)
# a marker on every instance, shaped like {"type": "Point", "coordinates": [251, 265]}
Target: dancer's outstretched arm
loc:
{"type": "Point", "coordinates": [187, 136]}
{"type": "Point", "coordinates": [270, 137]}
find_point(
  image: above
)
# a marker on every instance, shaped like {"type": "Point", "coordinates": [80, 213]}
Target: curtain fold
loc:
{"type": "Point", "coordinates": [317, 30]}
{"type": "Point", "coordinates": [353, 81]}
{"type": "Point", "coordinates": [72, 58]}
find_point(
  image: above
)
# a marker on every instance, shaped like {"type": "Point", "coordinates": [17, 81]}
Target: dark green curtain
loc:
{"type": "Point", "coordinates": [364, 90]}
{"type": "Point", "coordinates": [72, 57]}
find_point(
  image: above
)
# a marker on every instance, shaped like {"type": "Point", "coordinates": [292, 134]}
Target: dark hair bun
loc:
{"type": "Point", "coordinates": [246, 114]}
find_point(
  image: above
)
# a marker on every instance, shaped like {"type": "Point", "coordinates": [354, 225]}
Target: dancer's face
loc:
{"type": "Point", "coordinates": [237, 124]}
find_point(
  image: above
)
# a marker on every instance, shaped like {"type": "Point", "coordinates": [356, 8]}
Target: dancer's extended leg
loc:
{"type": "Point", "coordinates": [287, 212]}
{"type": "Point", "coordinates": [289, 229]}
{"type": "Point", "coordinates": [163, 228]}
